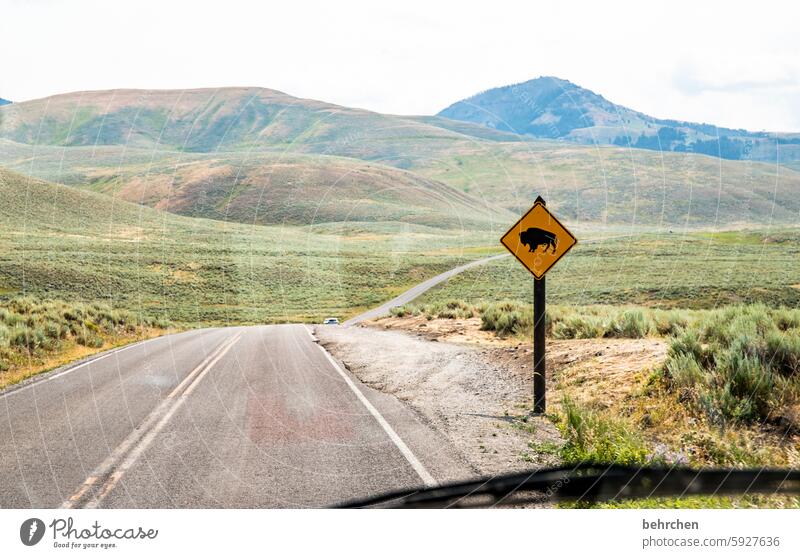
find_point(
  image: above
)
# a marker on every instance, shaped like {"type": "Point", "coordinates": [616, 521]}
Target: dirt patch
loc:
{"type": "Point", "coordinates": [465, 330]}
{"type": "Point", "coordinates": [174, 276]}
{"type": "Point", "coordinates": [477, 388]}
{"type": "Point", "coordinates": [612, 377]}
{"type": "Point", "coordinates": [600, 372]}
{"type": "Point", "coordinates": [146, 190]}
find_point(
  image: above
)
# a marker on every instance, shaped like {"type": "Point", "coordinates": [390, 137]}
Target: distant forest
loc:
{"type": "Point", "coordinates": [673, 139]}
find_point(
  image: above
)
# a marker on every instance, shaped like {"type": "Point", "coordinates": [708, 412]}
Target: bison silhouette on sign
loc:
{"type": "Point", "coordinates": [535, 237]}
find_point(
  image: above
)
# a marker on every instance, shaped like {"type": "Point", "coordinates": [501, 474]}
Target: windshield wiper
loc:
{"type": "Point", "coordinates": [590, 483]}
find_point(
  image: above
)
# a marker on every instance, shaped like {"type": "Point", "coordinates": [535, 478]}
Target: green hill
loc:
{"type": "Point", "coordinates": [258, 188]}
{"type": "Point", "coordinates": [614, 186]}
{"type": "Point", "coordinates": [205, 120]}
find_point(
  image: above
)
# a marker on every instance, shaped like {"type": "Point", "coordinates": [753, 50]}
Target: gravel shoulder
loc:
{"type": "Point", "coordinates": [475, 388]}
{"type": "Point", "coordinates": [460, 390]}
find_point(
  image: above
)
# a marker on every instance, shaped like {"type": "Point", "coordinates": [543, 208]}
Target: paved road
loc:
{"type": "Point", "coordinates": [417, 290]}
{"type": "Point", "coordinates": [229, 417]}
{"type": "Point", "coordinates": [255, 416]}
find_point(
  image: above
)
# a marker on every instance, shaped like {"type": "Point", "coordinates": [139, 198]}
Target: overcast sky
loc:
{"type": "Point", "coordinates": [738, 66]}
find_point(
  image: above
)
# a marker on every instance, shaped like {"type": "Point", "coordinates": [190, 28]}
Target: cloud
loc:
{"type": "Point", "coordinates": [744, 76]}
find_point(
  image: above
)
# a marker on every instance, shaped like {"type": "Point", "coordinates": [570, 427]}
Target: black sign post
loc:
{"type": "Point", "coordinates": [539, 363]}
{"type": "Point", "coordinates": [538, 240]}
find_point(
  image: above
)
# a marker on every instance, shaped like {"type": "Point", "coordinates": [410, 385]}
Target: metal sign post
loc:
{"type": "Point", "coordinates": [538, 240]}
{"type": "Point", "coordinates": [539, 363]}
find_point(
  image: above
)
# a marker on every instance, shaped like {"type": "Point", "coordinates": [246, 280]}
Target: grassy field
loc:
{"type": "Point", "coordinates": [724, 392]}
{"type": "Point", "coordinates": [686, 271]}
{"type": "Point", "coordinates": [733, 365]}
{"type": "Point", "coordinates": [59, 242]}
{"type": "Point", "coordinates": [726, 301]}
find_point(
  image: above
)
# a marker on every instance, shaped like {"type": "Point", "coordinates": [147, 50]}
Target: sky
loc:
{"type": "Point", "coordinates": [727, 63]}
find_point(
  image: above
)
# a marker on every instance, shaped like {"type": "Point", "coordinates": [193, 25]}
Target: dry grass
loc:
{"type": "Point", "coordinates": [32, 364]}
{"type": "Point", "coordinates": [38, 335]}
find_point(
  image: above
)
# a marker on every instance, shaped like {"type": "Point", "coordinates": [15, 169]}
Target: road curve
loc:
{"type": "Point", "coordinates": [417, 290]}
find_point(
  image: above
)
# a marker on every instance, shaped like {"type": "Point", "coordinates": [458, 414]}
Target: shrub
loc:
{"type": "Point", "coordinates": [707, 447]}
{"type": "Point", "coordinates": [632, 324]}
{"type": "Point", "coordinates": [740, 363]}
{"type": "Point", "coordinates": [579, 327]}
{"type": "Point", "coordinates": [11, 318]}
{"type": "Point", "coordinates": [455, 309]}
{"type": "Point", "coordinates": [505, 318]}
{"type": "Point", "coordinates": [589, 322]}
{"type": "Point", "coordinates": [18, 337]}
{"type": "Point", "coordinates": [684, 371]}
{"type": "Point", "coordinates": [742, 387]}
{"type": "Point", "coordinates": [53, 330]}
{"type": "Point", "coordinates": [786, 318]}
{"type": "Point", "coordinates": [35, 326]}
{"type": "Point", "coordinates": [782, 352]}
{"type": "Point", "coordinates": [89, 339]}
{"type": "Point", "coordinates": [670, 323]}
{"type": "Point", "coordinates": [161, 323]}
{"type": "Point", "coordinates": [400, 311]}
{"type": "Point", "coordinates": [688, 343]}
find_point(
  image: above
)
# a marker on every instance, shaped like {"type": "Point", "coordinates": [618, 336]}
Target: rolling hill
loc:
{"type": "Point", "coordinates": [548, 107]}
{"type": "Point", "coordinates": [209, 120]}
{"type": "Point", "coordinates": [261, 156]}
{"type": "Point", "coordinates": [62, 242]}
{"type": "Point", "coordinates": [258, 188]}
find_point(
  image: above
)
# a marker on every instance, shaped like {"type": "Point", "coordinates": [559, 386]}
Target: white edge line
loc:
{"type": "Point", "coordinates": [420, 469]}
{"type": "Point", "coordinates": [92, 359]}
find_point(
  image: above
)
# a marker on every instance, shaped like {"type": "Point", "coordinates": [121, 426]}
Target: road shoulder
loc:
{"type": "Point", "coordinates": [480, 407]}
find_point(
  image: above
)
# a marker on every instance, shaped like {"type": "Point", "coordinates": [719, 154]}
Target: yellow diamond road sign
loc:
{"type": "Point", "coordinates": [538, 240]}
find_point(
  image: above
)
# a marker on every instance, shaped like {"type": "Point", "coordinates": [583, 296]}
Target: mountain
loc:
{"type": "Point", "coordinates": [553, 108]}
{"type": "Point", "coordinates": [245, 154]}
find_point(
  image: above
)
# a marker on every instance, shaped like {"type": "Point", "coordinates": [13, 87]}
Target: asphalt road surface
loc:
{"type": "Point", "coordinates": [254, 416]}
